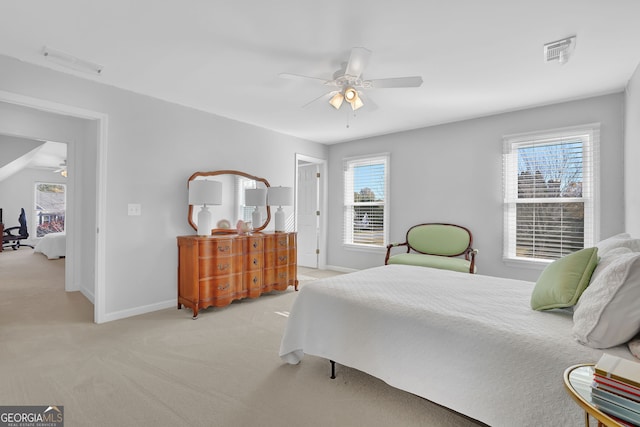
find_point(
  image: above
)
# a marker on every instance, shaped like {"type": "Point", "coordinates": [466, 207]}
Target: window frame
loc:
{"type": "Point", "coordinates": [348, 164]}
{"type": "Point", "coordinates": [589, 135]}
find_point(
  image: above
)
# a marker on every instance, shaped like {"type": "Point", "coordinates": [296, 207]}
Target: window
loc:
{"type": "Point", "coordinates": [244, 211]}
{"type": "Point", "coordinates": [366, 200]}
{"type": "Point", "coordinates": [550, 184]}
{"type": "Point", "coordinates": [50, 208]}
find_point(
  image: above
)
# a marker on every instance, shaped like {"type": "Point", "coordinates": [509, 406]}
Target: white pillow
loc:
{"type": "Point", "coordinates": [606, 260]}
{"type": "Point", "coordinates": [608, 312]}
{"type": "Point", "coordinates": [622, 240]}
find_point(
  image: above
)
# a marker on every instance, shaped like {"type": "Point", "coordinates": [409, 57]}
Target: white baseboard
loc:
{"type": "Point", "coordinates": [340, 269]}
{"type": "Point", "coordinates": [88, 294]}
{"type": "Point", "coordinates": [122, 314]}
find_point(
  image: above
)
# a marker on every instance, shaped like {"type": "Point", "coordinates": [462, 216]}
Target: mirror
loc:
{"type": "Point", "coordinates": [233, 207]}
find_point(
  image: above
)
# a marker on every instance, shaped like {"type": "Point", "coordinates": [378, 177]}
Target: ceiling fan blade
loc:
{"type": "Point", "coordinates": [357, 61]}
{"type": "Point", "coordinates": [324, 95]}
{"type": "Point", "coordinates": [301, 77]}
{"type": "Point", "coordinates": [413, 81]}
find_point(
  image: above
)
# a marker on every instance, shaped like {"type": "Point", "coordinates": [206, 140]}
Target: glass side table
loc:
{"type": "Point", "coordinates": [577, 382]}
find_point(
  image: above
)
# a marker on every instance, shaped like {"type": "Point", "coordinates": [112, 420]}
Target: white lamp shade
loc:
{"type": "Point", "coordinates": [280, 196]}
{"type": "Point", "coordinates": [255, 197]}
{"type": "Point", "coordinates": [205, 192]}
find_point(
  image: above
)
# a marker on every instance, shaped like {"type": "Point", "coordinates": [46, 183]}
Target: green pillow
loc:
{"type": "Point", "coordinates": [563, 281]}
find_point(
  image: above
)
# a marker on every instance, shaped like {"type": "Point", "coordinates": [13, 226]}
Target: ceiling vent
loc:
{"type": "Point", "coordinates": [559, 50]}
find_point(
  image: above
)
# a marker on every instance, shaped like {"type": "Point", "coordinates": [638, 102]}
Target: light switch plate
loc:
{"type": "Point", "coordinates": [134, 209]}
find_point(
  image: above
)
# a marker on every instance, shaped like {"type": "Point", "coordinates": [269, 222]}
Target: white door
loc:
{"type": "Point", "coordinates": [307, 214]}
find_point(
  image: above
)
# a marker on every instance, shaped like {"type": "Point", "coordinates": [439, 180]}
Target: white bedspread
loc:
{"type": "Point", "coordinates": [53, 245]}
{"type": "Point", "coordinates": [468, 342]}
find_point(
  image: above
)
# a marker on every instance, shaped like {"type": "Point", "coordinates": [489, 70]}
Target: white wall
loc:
{"type": "Point", "coordinates": [632, 154]}
{"type": "Point", "coordinates": [153, 147]}
{"type": "Point", "coordinates": [453, 173]}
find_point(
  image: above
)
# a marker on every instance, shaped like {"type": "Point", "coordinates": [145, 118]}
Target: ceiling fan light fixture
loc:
{"type": "Point", "coordinates": [357, 103]}
{"type": "Point", "coordinates": [352, 97]}
{"type": "Point", "coordinates": [350, 94]}
{"type": "Point", "coordinates": [336, 100]}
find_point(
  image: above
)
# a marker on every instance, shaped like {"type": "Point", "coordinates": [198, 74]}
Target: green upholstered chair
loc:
{"type": "Point", "coordinates": [436, 245]}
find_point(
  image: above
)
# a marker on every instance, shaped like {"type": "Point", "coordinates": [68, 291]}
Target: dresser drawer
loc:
{"type": "Point", "coordinates": [276, 241]}
{"type": "Point", "coordinates": [212, 267]}
{"type": "Point", "coordinates": [281, 278]}
{"type": "Point", "coordinates": [253, 283]}
{"type": "Point", "coordinates": [219, 287]}
{"type": "Point", "coordinates": [282, 257]}
{"type": "Point", "coordinates": [219, 247]}
{"type": "Point", "coordinates": [255, 244]}
{"type": "Point", "coordinates": [254, 261]}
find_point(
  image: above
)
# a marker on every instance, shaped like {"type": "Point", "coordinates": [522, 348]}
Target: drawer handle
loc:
{"type": "Point", "coordinates": [282, 275]}
{"type": "Point", "coordinates": [224, 249]}
{"type": "Point", "coordinates": [222, 288]}
{"type": "Point", "coordinates": [282, 242]}
{"type": "Point", "coordinates": [255, 280]}
{"type": "Point", "coordinates": [282, 258]}
{"type": "Point", "coordinates": [255, 245]}
{"type": "Point", "coordinates": [255, 261]}
{"type": "Point", "coordinates": [223, 267]}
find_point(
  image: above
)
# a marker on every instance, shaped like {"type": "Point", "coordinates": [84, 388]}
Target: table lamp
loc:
{"type": "Point", "coordinates": [256, 197]}
{"type": "Point", "coordinates": [279, 196]}
{"type": "Point", "coordinates": [204, 192]}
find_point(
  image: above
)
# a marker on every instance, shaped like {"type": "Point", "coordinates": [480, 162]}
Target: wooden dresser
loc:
{"type": "Point", "coordinates": [215, 270]}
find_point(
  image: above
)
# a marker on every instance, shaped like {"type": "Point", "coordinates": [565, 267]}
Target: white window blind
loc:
{"type": "Point", "coordinates": [366, 200]}
{"type": "Point", "coordinates": [550, 187]}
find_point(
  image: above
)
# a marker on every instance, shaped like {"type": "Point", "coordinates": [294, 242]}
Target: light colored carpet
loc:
{"type": "Point", "coordinates": [165, 369]}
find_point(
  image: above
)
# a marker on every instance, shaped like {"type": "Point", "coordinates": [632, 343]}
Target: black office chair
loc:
{"type": "Point", "coordinates": [9, 236]}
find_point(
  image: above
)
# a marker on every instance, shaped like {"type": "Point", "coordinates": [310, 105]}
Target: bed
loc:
{"type": "Point", "coordinates": [52, 245]}
{"type": "Point", "coordinates": [469, 342]}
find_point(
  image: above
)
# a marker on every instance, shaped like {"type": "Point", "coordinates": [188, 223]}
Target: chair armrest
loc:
{"type": "Point", "coordinates": [393, 245]}
{"type": "Point", "coordinates": [8, 231]}
{"type": "Point", "coordinates": [471, 253]}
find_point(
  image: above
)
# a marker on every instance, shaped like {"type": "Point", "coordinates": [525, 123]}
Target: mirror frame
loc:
{"type": "Point", "coordinates": [228, 172]}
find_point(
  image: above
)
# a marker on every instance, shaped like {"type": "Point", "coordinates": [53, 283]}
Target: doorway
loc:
{"type": "Point", "coordinates": [90, 180]}
{"type": "Point", "coordinates": [310, 210]}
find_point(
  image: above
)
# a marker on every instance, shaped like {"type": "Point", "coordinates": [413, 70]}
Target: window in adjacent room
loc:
{"type": "Point", "coordinates": [50, 207]}
{"type": "Point", "coordinates": [366, 201]}
{"type": "Point", "coordinates": [550, 187]}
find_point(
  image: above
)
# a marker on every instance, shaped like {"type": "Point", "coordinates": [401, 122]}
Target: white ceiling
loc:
{"type": "Point", "coordinates": [476, 57]}
{"type": "Point", "coordinates": [51, 156]}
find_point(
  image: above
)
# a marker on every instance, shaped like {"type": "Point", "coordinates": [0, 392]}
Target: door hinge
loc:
{"type": "Point", "coordinates": [317, 174]}
{"type": "Point", "coordinates": [317, 251]}
{"type": "Point", "coordinates": [317, 213]}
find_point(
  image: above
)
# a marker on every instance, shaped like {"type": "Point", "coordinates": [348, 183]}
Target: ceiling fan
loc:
{"type": "Point", "coordinates": [62, 169]}
{"type": "Point", "coordinates": [348, 83]}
